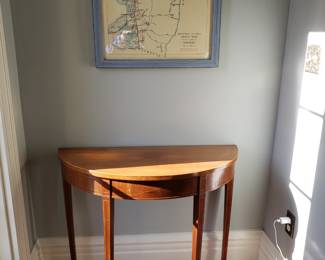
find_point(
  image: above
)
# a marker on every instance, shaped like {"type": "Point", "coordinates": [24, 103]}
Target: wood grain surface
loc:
{"type": "Point", "coordinates": [148, 163]}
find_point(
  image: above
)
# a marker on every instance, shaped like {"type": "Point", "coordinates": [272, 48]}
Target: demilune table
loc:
{"type": "Point", "coordinates": [149, 173]}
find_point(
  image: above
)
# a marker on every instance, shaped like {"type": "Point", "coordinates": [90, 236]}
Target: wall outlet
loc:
{"type": "Point", "coordinates": [290, 228]}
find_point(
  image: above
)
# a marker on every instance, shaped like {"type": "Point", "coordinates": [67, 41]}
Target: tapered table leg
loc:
{"type": "Point", "coordinates": [69, 218]}
{"type": "Point", "coordinates": [197, 230]}
{"type": "Point", "coordinates": [226, 221]}
{"type": "Point", "coordinates": [108, 220]}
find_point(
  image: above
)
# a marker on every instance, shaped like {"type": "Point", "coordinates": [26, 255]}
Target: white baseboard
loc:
{"type": "Point", "coordinates": [243, 245]}
{"type": "Point", "coordinates": [35, 254]}
{"type": "Point", "coordinates": [267, 250]}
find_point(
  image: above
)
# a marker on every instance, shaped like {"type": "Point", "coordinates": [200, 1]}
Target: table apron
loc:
{"type": "Point", "coordinates": [149, 190]}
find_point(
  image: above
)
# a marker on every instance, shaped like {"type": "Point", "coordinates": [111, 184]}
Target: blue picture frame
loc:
{"type": "Point", "coordinates": [212, 62]}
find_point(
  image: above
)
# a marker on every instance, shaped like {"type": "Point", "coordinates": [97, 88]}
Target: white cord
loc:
{"type": "Point", "coordinates": [276, 237]}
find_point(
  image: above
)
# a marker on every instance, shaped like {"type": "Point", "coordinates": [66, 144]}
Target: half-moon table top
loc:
{"type": "Point", "coordinates": [152, 163]}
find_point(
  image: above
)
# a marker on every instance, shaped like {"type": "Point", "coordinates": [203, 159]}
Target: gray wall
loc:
{"type": "Point", "coordinates": [68, 102]}
{"type": "Point", "coordinates": [305, 16]}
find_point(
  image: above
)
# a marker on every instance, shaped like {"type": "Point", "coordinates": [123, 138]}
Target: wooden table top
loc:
{"type": "Point", "coordinates": [148, 163]}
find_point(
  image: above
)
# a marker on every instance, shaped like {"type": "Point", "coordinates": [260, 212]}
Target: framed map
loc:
{"type": "Point", "coordinates": [156, 33]}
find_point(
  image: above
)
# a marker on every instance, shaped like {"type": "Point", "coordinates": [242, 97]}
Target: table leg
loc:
{"type": "Point", "coordinates": [197, 230]}
{"type": "Point", "coordinates": [108, 220]}
{"type": "Point", "coordinates": [69, 218]}
{"type": "Point", "coordinates": [226, 220]}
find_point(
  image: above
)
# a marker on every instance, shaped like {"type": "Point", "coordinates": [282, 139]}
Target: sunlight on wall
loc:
{"type": "Point", "coordinates": [312, 95]}
{"type": "Point", "coordinates": [303, 210]}
{"type": "Point", "coordinates": [305, 155]}
{"type": "Point", "coordinates": [308, 136]}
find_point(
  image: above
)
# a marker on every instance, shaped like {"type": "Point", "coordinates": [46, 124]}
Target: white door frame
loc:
{"type": "Point", "coordinates": [6, 250]}
{"type": "Point", "coordinates": [11, 177]}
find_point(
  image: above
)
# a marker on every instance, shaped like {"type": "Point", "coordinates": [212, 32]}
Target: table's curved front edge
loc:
{"type": "Point", "coordinates": [102, 173]}
{"type": "Point", "coordinates": [135, 178]}
{"type": "Point", "coordinates": [149, 190]}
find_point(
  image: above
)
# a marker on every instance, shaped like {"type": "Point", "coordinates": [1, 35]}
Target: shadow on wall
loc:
{"type": "Point", "coordinates": [211, 215]}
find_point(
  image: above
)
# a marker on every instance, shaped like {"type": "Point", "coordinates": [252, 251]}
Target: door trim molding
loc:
{"type": "Point", "coordinates": [9, 141]}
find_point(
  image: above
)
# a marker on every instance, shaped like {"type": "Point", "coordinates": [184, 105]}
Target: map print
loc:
{"type": "Point", "coordinates": [153, 28]}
